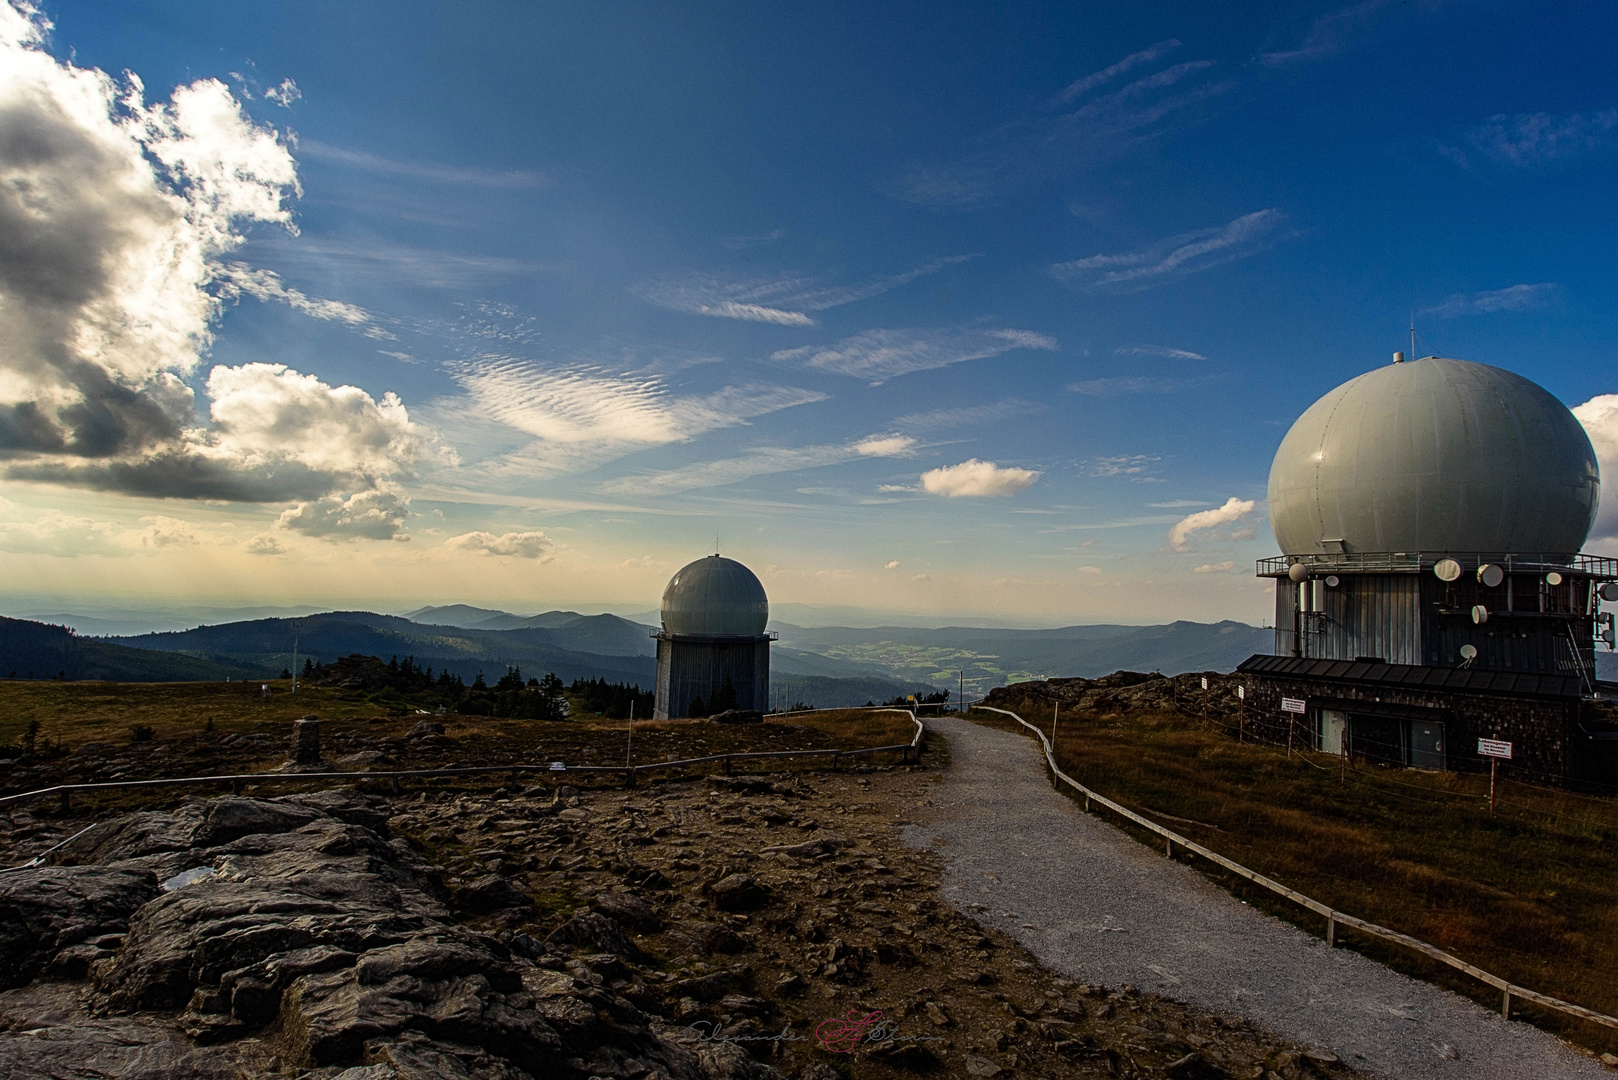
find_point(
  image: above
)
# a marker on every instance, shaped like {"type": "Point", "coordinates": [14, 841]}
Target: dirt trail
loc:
{"type": "Point", "coordinates": [1092, 903]}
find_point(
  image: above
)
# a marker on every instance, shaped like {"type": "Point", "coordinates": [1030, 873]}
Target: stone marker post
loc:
{"type": "Point", "coordinates": [306, 743]}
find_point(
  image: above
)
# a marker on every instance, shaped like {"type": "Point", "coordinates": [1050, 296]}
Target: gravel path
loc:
{"type": "Point", "coordinates": [1096, 905]}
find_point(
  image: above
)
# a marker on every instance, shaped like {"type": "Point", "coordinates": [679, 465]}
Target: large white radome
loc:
{"type": "Point", "coordinates": [715, 597]}
{"type": "Point", "coordinates": [1435, 456]}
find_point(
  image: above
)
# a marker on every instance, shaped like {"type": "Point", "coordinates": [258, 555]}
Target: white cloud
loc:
{"type": "Point", "coordinates": [894, 565]}
{"type": "Point", "coordinates": [284, 94]}
{"type": "Point", "coordinates": [784, 300]}
{"type": "Point", "coordinates": [1107, 74]}
{"type": "Point", "coordinates": [113, 229]}
{"type": "Point", "coordinates": [1234, 510]}
{"type": "Point", "coordinates": [1599, 416]}
{"type": "Point", "coordinates": [1157, 350]}
{"type": "Point", "coordinates": [166, 532]}
{"type": "Point", "coordinates": [517, 545]}
{"type": "Point", "coordinates": [1531, 139]}
{"type": "Point", "coordinates": [445, 174]}
{"type": "Point", "coordinates": [1131, 465]}
{"type": "Point", "coordinates": [764, 461]}
{"type": "Point", "coordinates": [995, 412]}
{"type": "Point", "coordinates": [580, 415]}
{"type": "Point", "coordinates": [1513, 298]}
{"type": "Point", "coordinates": [1214, 568]}
{"type": "Point", "coordinates": [1176, 257]}
{"type": "Point", "coordinates": [884, 445]}
{"type": "Point", "coordinates": [1330, 33]}
{"type": "Point", "coordinates": [1129, 385]}
{"type": "Point", "coordinates": [62, 535]}
{"type": "Point", "coordinates": [879, 355]}
{"type": "Point", "coordinates": [977, 478]}
{"type": "Point", "coordinates": [1177, 504]}
{"type": "Point", "coordinates": [367, 515]}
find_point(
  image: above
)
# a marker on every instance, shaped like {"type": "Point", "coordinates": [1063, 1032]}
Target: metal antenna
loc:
{"type": "Point", "coordinates": [1412, 333]}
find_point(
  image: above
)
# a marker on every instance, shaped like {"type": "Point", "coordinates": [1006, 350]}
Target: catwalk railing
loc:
{"type": "Point", "coordinates": [237, 781]}
{"type": "Point", "coordinates": [1333, 917]}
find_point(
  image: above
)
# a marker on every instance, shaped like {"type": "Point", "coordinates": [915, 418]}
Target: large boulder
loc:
{"type": "Point", "coordinates": [51, 908]}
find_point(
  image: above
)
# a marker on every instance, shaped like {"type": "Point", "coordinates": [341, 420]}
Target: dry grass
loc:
{"type": "Point", "coordinates": [1530, 894]}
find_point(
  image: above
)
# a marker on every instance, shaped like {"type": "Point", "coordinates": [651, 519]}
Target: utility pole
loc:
{"type": "Point", "coordinates": [629, 750]}
{"type": "Point", "coordinates": [962, 696]}
{"type": "Point", "coordinates": [297, 626]}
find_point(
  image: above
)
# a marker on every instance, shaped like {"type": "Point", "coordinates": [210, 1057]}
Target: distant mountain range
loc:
{"type": "Point", "coordinates": [826, 666]}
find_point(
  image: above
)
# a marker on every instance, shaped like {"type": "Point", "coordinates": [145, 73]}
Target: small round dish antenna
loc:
{"type": "Point", "coordinates": [1480, 614]}
{"type": "Point", "coordinates": [1553, 578]}
{"type": "Point", "coordinates": [1491, 575]}
{"type": "Point", "coordinates": [1298, 572]}
{"type": "Point", "coordinates": [1332, 581]}
{"type": "Point", "coordinates": [1447, 569]}
{"type": "Point", "coordinates": [1469, 652]}
{"type": "Point", "coordinates": [1609, 591]}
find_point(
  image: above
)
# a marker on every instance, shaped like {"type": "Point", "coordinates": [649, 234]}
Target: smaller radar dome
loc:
{"type": "Point", "coordinates": [715, 597]}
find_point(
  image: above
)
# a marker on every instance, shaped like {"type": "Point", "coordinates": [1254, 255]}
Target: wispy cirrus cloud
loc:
{"type": "Point", "coordinates": [761, 461]}
{"type": "Point", "coordinates": [1089, 121]}
{"type": "Point", "coordinates": [1329, 34]}
{"type": "Point", "coordinates": [1163, 351]}
{"type": "Point", "coordinates": [581, 415]}
{"type": "Point", "coordinates": [1176, 257]}
{"type": "Point", "coordinates": [1528, 140]}
{"type": "Point", "coordinates": [1131, 385]}
{"type": "Point", "coordinates": [1512, 298]}
{"type": "Point", "coordinates": [1133, 466]}
{"type": "Point", "coordinates": [785, 300]}
{"type": "Point", "coordinates": [737, 243]}
{"type": "Point", "coordinates": [879, 355]}
{"type": "Point", "coordinates": [418, 170]}
{"type": "Point", "coordinates": [992, 413]}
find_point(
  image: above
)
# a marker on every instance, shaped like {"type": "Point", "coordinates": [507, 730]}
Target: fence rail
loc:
{"type": "Point", "coordinates": [1334, 918]}
{"type": "Point", "coordinates": [237, 781]}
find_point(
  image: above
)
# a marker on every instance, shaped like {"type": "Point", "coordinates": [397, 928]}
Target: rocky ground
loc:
{"type": "Point", "coordinates": [711, 927]}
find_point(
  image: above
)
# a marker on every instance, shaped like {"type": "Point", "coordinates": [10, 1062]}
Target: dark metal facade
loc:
{"type": "Point", "coordinates": [691, 666]}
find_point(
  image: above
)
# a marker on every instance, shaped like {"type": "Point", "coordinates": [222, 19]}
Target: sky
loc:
{"type": "Point", "coordinates": [941, 310]}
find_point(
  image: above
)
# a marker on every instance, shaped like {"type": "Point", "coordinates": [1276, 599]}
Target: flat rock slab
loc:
{"type": "Point", "coordinates": [1091, 902]}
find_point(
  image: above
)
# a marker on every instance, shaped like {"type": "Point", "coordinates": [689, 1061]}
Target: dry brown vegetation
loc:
{"type": "Point", "coordinates": [1530, 894]}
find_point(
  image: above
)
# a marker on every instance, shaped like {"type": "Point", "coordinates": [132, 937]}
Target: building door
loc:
{"type": "Point", "coordinates": [1426, 744]}
{"type": "Point", "coordinates": [1330, 730]}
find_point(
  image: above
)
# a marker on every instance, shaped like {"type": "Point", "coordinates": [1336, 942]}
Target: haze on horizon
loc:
{"type": "Point", "coordinates": [983, 313]}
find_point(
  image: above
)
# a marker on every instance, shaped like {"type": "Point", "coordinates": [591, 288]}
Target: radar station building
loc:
{"type": "Point", "coordinates": [713, 652]}
{"type": "Point", "coordinates": [1431, 592]}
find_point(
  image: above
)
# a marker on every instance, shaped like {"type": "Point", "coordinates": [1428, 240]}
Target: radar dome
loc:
{"type": "Point", "coordinates": [715, 597]}
{"type": "Point", "coordinates": [1431, 456]}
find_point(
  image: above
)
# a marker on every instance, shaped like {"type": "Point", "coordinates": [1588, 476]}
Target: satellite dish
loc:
{"type": "Point", "coordinates": [1469, 652]}
{"type": "Point", "coordinates": [1447, 569]}
{"type": "Point", "coordinates": [1491, 575]}
{"type": "Point", "coordinates": [1553, 578]}
{"type": "Point", "coordinates": [1609, 591]}
{"type": "Point", "coordinates": [1480, 614]}
{"type": "Point", "coordinates": [1298, 572]}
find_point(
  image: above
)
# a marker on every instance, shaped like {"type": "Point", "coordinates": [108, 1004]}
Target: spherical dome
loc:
{"type": "Point", "coordinates": [1430, 456]}
{"type": "Point", "coordinates": [715, 597]}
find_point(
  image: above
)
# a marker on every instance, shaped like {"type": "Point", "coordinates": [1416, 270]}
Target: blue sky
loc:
{"type": "Point", "coordinates": [994, 310]}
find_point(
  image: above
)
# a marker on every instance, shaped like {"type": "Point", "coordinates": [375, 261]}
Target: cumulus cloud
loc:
{"type": "Point", "coordinates": [517, 545]}
{"type": "Point", "coordinates": [879, 355]}
{"type": "Point", "coordinates": [1513, 298]}
{"type": "Point", "coordinates": [1530, 139]}
{"type": "Point", "coordinates": [366, 515]}
{"type": "Point", "coordinates": [61, 535]}
{"type": "Point", "coordinates": [166, 532]}
{"type": "Point", "coordinates": [1214, 568]}
{"type": "Point", "coordinates": [1599, 416]}
{"type": "Point", "coordinates": [114, 218]}
{"type": "Point", "coordinates": [894, 565]}
{"type": "Point", "coordinates": [977, 478]}
{"type": "Point", "coordinates": [1233, 511]}
{"type": "Point", "coordinates": [1175, 257]}
{"type": "Point", "coordinates": [265, 544]}
{"type": "Point", "coordinates": [784, 300]}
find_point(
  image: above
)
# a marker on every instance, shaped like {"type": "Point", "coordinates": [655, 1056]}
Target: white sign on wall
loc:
{"type": "Point", "coordinates": [1292, 704]}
